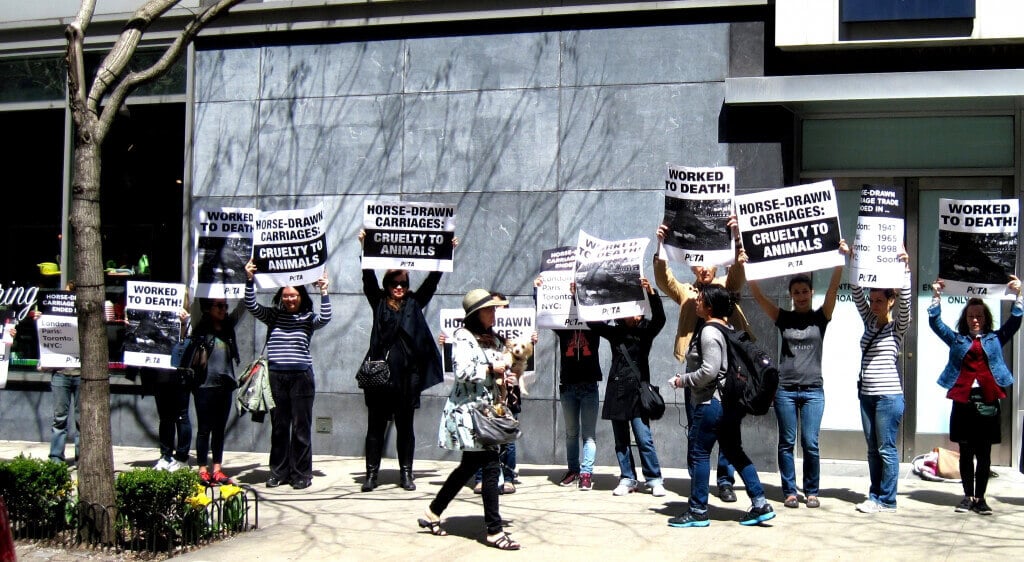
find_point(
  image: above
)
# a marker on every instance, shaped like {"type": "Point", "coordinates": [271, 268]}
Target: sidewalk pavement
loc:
{"type": "Point", "coordinates": [333, 520]}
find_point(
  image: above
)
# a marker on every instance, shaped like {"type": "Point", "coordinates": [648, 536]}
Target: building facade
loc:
{"type": "Point", "coordinates": [537, 120]}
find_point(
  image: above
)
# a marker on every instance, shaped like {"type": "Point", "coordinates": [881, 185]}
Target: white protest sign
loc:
{"type": "Point", "coordinates": [289, 247]}
{"type": "Point", "coordinates": [153, 323]}
{"type": "Point", "coordinates": [223, 245]}
{"type": "Point", "coordinates": [978, 245]}
{"type": "Point", "coordinates": [698, 203]}
{"type": "Point", "coordinates": [404, 235]}
{"type": "Point", "coordinates": [57, 328]}
{"type": "Point", "coordinates": [790, 230]}
{"type": "Point", "coordinates": [608, 278]}
{"type": "Point", "coordinates": [556, 308]}
{"type": "Point", "coordinates": [879, 238]}
{"type": "Point", "coordinates": [451, 320]}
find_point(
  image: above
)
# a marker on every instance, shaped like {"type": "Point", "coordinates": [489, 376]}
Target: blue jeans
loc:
{"type": "Point", "coordinates": [804, 407]}
{"type": "Point", "coordinates": [579, 408]}
{"type": "Point", "coordinates": [644, 443]}
{"type": "Point", "coordinates": [64, 388]}
{"type": "Point", "coordinates": [710, 424]}
{"type": "Point", "coordinates": [880, 416]}
{"type": "Point", "coordinates": [725, 475]}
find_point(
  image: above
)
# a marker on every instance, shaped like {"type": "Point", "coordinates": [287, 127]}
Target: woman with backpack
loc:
{"type": "Point", "coordinates": [714, 420]}
{"type": "Point", "coordinates": [291, 322]}
{"type": "Point", "coordinates": [800, 400]}
{"type": "Point", "coordinates": [974, 379]}
{"type": "Point", "coordinates": [880, 388]}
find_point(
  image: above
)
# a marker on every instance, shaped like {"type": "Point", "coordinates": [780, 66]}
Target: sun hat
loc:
{"type": "Point", "coordinates": [480, 298]}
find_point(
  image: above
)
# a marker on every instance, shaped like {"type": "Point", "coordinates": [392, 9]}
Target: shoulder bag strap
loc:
{"type": "Point", "coordinates": [629, 360]}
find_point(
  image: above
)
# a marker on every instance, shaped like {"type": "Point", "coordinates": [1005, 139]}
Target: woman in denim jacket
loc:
{"type": "Point", "coordinates": [975, 377]}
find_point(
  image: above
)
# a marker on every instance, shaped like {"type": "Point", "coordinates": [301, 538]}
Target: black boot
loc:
{"type": "Point", "coordinates": [371, 479]}
{"type": "Point", "coordinates": [407, 479]}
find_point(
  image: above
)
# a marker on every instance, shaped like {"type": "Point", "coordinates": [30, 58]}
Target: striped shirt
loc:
{"type": "Point", "coordinates": [288, 345]}
{"type": "Point", "coordinates": [879, 374]}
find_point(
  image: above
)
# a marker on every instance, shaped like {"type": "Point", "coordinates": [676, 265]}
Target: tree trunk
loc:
{"type": "Point", "coordinates": [96, 459]}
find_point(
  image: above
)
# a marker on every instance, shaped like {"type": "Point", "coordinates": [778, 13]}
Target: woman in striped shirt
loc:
{"type": "Point", "coordinates": [886, 316]}
{"type": "Point", "coordinates": [292, 384]}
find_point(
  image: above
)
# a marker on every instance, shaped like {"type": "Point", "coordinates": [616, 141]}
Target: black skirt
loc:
{"type": "Point", "coordinates": [967, 425]}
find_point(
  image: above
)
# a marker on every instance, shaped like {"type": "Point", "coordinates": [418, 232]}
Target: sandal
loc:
{"type": "Point", "coordinates": [791, 501]}
{"type": "Point", "coordinates": [433, 526]}
{"type": "Point", "coordinates": [503, 542]}
{"type": "Point", "coordinates": [812, 501]}
{"type": "Point", "coordinates": [507, 488]}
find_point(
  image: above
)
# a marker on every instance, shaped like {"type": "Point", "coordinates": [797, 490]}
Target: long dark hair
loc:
{"type": "Point", "coordinates": [485, 336]}
{"type": "Point", "coordinates": [305, 304]}
{"type": "Point", "coordinates": [961, 325]}
{"type": "Point", "coordinates": [226, 333]}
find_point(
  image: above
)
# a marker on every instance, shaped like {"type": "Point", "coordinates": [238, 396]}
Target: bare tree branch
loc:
{"type": "Point", "coordinates": [173, 52]}
{"type": "Point", "coordinates": [121, 53]}
{"type": "Point", "coordinates": [75, 57]}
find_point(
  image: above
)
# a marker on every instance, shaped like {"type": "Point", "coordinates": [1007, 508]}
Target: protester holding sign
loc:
{"type": "Point", "coordinates": [631, 339]}
{"type": "Point", "coordinates": [685, 294]}
{"type": "Point", "coordinates": [714, 420]}
{"type": "Point", "coordinates": [578, 376]}
{"type": "Point", "coordinates": [291, 322]}
{"type": "Point", "coordinates": [880, 388]}
{"type": "Point", "coordinates": [65, 382]}
{"type": "Point", "coordinates": [800, 399]}
{"type": "Point", "coordinates": [214, 393]}
{"type": "Point", "coordinates": [975, 378]}
{"type": "Point", "coordinates": [400, 336]}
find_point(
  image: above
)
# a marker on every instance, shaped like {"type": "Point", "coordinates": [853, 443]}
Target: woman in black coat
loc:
{"type": "Point", "coordinates": [622, 393]}
{"type": "Point", "coordinates": [400, 336]}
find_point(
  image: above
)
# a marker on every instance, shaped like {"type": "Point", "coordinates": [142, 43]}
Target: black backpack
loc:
{"type": "Point", "coordinates": [751, 380]}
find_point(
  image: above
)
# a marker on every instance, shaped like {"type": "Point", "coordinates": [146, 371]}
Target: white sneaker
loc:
{"type": "Point", "coordinates": [175, 464]}
{"type": "Point", "coordinates": [871, 506]}
{"type": "Point", "coordinates": [163, 464]}
{"type": "Point", "coordinates": [624, 488]}
{"type": "Point", "coordinates": [658, 490]}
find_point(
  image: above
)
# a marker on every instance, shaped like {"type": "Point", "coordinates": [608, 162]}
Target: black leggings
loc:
{"type": "Point", "coordinates": [975, 480]}
{"type": "Point", "coordinates": [213, 406]}
{"type": "Point", "coordinates": [471, 461]}
{"type": "Point", "coordinates": [378, 414]}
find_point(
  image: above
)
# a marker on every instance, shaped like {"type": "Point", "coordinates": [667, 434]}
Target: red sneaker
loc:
{"type": "Point", "coordinates": [204, 477]}
{"type": "Point", "coordinates": [220, 478]}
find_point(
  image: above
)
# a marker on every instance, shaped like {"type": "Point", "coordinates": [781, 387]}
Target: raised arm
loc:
{"type": "Point", "coordinates": [769, 308]}
{"type": "Point", "coordinates": [833, 284]}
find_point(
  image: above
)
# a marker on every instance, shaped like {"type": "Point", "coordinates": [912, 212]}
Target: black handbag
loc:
{"type": "Point", "coordinates": [373, 373]}
{"type": "Point", "coordinates": [491, 428]}
{"type": "Point", "coordinates": [652, 405]}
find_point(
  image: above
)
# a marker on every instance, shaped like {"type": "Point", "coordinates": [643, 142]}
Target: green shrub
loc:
{"type": "Point", "coordinates": [153, 499]}
{"type": "Point", "coordinates": [36, 491]}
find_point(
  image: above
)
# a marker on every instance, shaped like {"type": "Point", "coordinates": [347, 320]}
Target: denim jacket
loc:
{"type": "Point", "coordinates": [991, 343]}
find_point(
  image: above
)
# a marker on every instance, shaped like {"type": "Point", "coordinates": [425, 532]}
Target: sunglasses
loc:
{"type": "Point", "coordinates": [402, 284]}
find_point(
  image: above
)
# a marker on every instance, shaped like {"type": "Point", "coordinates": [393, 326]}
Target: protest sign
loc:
{"type": "Point", "coordinates": [289, 247]}
{"type": "Point", "coordinates": [977, 245]}
{"type": "Point", "coordinates": [57, 328]}
{"type": "Point", "coordinates": [451, 320]}
{"type": "Point", "coordinates": [556, 308]}
{"type": "Point", "coordinates": [790, 230]}
{"type": "Point", "coordinates": [608, 278]}
{"type": "Point", "coordinates": [6, 342]}
{"type": "Point", "coordinates": [153, 323]}
{"type": "Point", "coordinates": [698, 203]}
{"type": "Point", "coordinates": [404, 235]}
{"type": "Point", "coordinates": [223, 245]}
{"type": "Point", "coordinates": [879, 238]}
